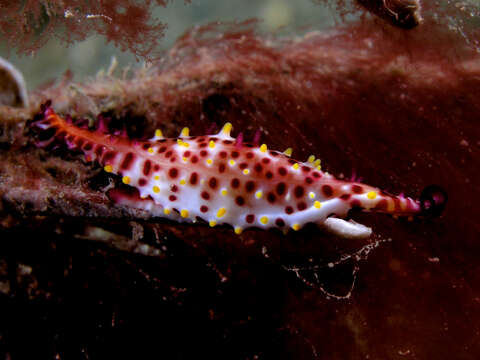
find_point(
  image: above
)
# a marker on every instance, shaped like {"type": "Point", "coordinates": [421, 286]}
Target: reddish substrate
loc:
{"type": "Point", "coordinates": [399, 108]}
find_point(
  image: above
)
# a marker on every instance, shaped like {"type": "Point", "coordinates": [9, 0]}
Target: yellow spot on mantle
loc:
{"type": "Point", "coordinates": [372, 195]}
{"type": "Point", "coordinates": [317, 204]}
{"type": "Point", "coordinates": [185, 131]}
{"type": "Point", "coordinates": [211, 144]}
{"type": "Point", "coordinates": [295, 166]}
{"type": "Point", "coordinates": [221, 212]}
{"type": "Point", "coordinates": [209, 161]}
{"type": "Point", "coordinates": [288, 152]}
{"type": "Point", "coordinates": [246, 171]}
{"type": "Point", "coordinates": [108, 168]}
{"type": "Point", "coordinates": [183, 143]}
{"type": "Point", "coordinates": [184, 159]}
{"type": "Point", "coordinates": [150, 150]}
{"type": "Point", "coordinates": [166, 211]}
{"type": "Point", "coordinates": [183, 182]}
{"type": "Point", "coordinates": [296, 227]}
{"type": "Point", "coordinates": [311, 159]}
{"type": "Point", "coordinates": [263, 148]}
{"type": "Point", "coordinates": [156, 189]}
{"type": "Point", "coordinates": [158, 133]}
{"type": "Point", "coordinates": [184, 213]}
{"type": "Point", "coordinates": [264, 220]}
{"type": "Point", "coordinates": [156, 177]}
{"type": "Point", "coordinates": [224, 192]}
{"type": "Point", "coordinates": [232, 162]}
{"type": "Point", "coordinates": [311, 195]}
{"type": "Point", "coordinates": [212, 223]}
{"type": "Point", "coordinates": [238, 230]}
{"type": "Point", "coordinates": [259, 194]}
{"type": "Point", "coordinates": [126, 180]}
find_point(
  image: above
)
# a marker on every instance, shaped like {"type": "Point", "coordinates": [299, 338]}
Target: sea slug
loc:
{"type": "Point", "coordinates": [222, 180]}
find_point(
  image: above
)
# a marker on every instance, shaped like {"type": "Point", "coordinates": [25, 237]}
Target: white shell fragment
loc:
{"type": "Point", "coordinates": [347, 229]}
{"type": "Point", "coordinates": [13, 91]}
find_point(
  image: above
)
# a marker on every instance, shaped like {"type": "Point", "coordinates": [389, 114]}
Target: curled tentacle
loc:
{"type": "Point", "coordinates": [433, 200]}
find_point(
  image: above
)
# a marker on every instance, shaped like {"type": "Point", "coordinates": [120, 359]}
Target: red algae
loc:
{"type": "Point", "coordinates": [28, 25]}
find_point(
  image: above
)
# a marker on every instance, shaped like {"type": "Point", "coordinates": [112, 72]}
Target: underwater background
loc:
{"type": "Point", "coordinates": [86, 58]}
{"type": "Point", "coordinates": [394, 105]}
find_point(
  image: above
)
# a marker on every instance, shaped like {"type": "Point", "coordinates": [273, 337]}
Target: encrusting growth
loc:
{"type": "Point", "coordinates": [224, 181]}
